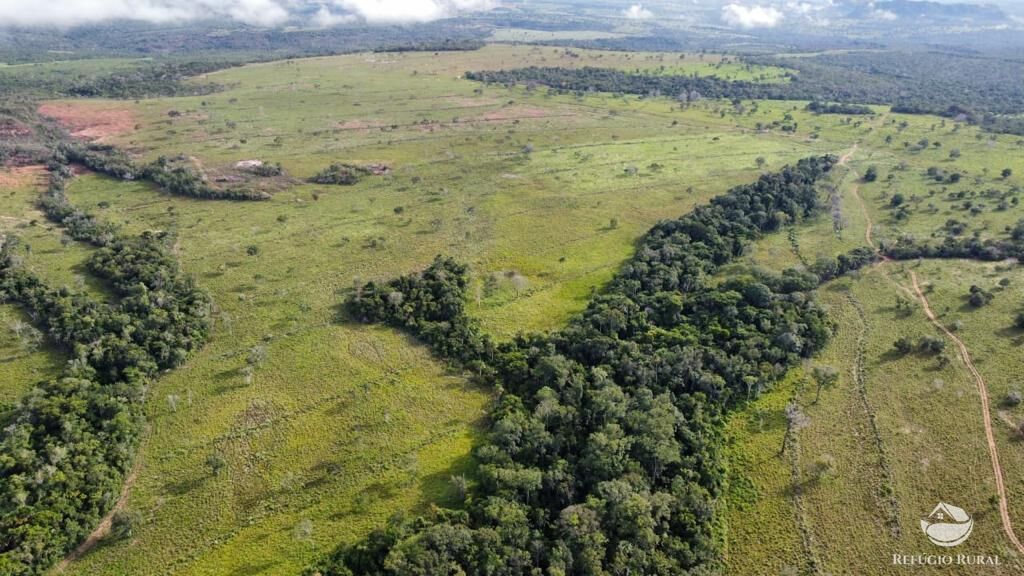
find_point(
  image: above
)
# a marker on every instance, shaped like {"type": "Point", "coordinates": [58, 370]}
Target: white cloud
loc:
{"type": "Point", "coordinates": [637, 12]}
{"type": "Point", "coordinates": [74, 12]}
{"type": "Point", "coordinates": [66, 13]}
{"type": "Point", "coordinates": [754, 16]}
{"type": "Point", "coordinates": [324, 18]}
{"type": "Point", "coordinates": [411, 11]}
{"type": "Point", "coordinates": [887, 15]}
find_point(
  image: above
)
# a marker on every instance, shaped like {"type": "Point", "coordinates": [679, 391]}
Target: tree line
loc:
{"type": "Point", "coordinates": [176, 180]}
{"type": "Point", "coordinates": [604, 448]}
{"type": "Point", "coordinates": [69, 442]}
{"type": "Point", "coordinates": [994, 108]}
{"type": "Point", "coordinates": [839, 108]}
{"type": "Point", "coordinates": [971, 247]}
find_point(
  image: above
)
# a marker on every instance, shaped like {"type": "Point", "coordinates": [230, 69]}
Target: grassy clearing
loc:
{"type": "Point", "coordinates": [22, 362]}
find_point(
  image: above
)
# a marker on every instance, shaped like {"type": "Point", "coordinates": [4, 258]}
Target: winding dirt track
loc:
{"type": "Point", "coordinates": [868, 225]}
{"type": "Point", "coordinates": [101, 530]}
{"type": "Point", "coordinates": [1004, 511]}
{"type": "Point", "coordinates": [965, 355]}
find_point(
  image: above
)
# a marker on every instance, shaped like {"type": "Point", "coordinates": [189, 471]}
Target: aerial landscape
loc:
{"type": "Point", "coordinates": [480, 287]}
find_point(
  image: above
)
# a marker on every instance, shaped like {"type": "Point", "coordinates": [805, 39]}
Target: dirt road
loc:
{"type": "Point", "coordinates": [1004, 511]}
{"type": "Point", "coordinates": [997, 470]}
{"type": "Point", "coordinates": [103, 528]}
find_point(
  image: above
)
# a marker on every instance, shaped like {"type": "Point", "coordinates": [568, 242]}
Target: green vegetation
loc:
{"type": "Point", "coordinates": [177, 180]}
{"type": "Point", "coordinates": [343, 174]}
{"type": "Point", "coordinates": [603, 451]}
{"type": "Point", "coordinates": [290, 432]}
{"type": "Point", "coordinates": [993, 108]}
{"type": "Point", "coordinates": [69, 442]}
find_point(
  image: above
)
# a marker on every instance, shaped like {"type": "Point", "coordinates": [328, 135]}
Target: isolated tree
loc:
{"type": "Point", "coordinates": [304, 530]}
{"type": "Point", "coordinates": [1013, 398]}
{"type": "Point", "coordinates": [124, 523]}
{"type": "Point", "coordinates": [978, 296]}
{"type": "Point", "coordinates": [1007, 172]}
{"type": "Point", "coordinates": [932, 344]}
{"type": "Point", "coordinates": [871, 174]}
{"type": "Point", "coordinates": [824, 466]}
{"type": "Point", "coordinates": [903, 305]}
{"type": "Point", "coordinates": [216, 463]}
{"type": "Point", "coordinates": [460, 485]}
{"type": "Point", "coordinates": [256, 356]}
{"type": "Point", "coordinates": [760, 161]}
{"type": "Point", "coordinates": [903, 345]}
{"type": "Point", "coordinates": [519, 282]}
{"type": "Point", "coordinates": [824, 377]}
{"type": "Point", "coordinates": [247, 374]}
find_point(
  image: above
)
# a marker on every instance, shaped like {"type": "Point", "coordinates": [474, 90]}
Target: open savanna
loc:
{"type": "Point", "coordinates": [899, 433]}
{"type": "Point", "coordinates": [342, 425]}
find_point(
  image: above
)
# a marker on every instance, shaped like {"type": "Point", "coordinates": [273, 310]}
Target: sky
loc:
{"type": "Point", "coordinates": [268, 13]}
{"type": "Point", "coordinates": [740, 14]}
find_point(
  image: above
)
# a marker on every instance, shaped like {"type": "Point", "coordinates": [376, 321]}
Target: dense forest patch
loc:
{"type": "Point", "coordinates": [604, 451]}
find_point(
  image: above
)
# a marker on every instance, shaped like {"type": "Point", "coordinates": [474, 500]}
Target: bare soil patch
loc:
{"type": "Point", "coordinates": [91, 120]}
{"type": "Point", "coordinates": [21, 176]}
{"type": "Point", "coordinates": [13, 129]}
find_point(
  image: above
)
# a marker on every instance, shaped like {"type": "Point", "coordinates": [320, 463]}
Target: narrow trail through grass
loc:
{"type": "Point", "coordinates": [102, 529]}
{"type": "Point", "coordinates": [886, 487]}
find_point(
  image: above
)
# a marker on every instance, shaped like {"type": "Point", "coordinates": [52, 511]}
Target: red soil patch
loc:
{"type": "Point", "coordinates": [21, 176]}
{"type": "Point", "coordinates": [91, 120]}
{"type": "Point", "coordinates": [13, 129]}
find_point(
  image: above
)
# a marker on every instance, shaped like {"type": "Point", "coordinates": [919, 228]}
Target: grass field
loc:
{"type": "Point", "coordinates": [544, 196]}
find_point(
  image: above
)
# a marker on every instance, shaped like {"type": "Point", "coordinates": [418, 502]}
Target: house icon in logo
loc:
{"type": "Point", "coordinates": [947, 525]}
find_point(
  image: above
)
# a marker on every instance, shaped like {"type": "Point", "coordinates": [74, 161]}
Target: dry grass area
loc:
{"type": "Point", "coordinates": [92, 120]}
{"type": "Point", "coordinates": [18, 176]}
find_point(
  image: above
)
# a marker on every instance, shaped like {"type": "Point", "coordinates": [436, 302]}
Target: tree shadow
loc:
{"type": "Point", "coordinates": [250, 568]}
{"type": "Point", "coordinates": [183, 487]}
{"type": "Point", "coordinates": [438, 489]}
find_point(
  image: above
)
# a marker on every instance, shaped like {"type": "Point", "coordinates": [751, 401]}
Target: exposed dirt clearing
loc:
{"type": "Point", "coordinates": [13, 129]}
{"type": "Point", "coordinates": [21, 176]}
{"type": "Point", "coordinates": [91, 120]}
